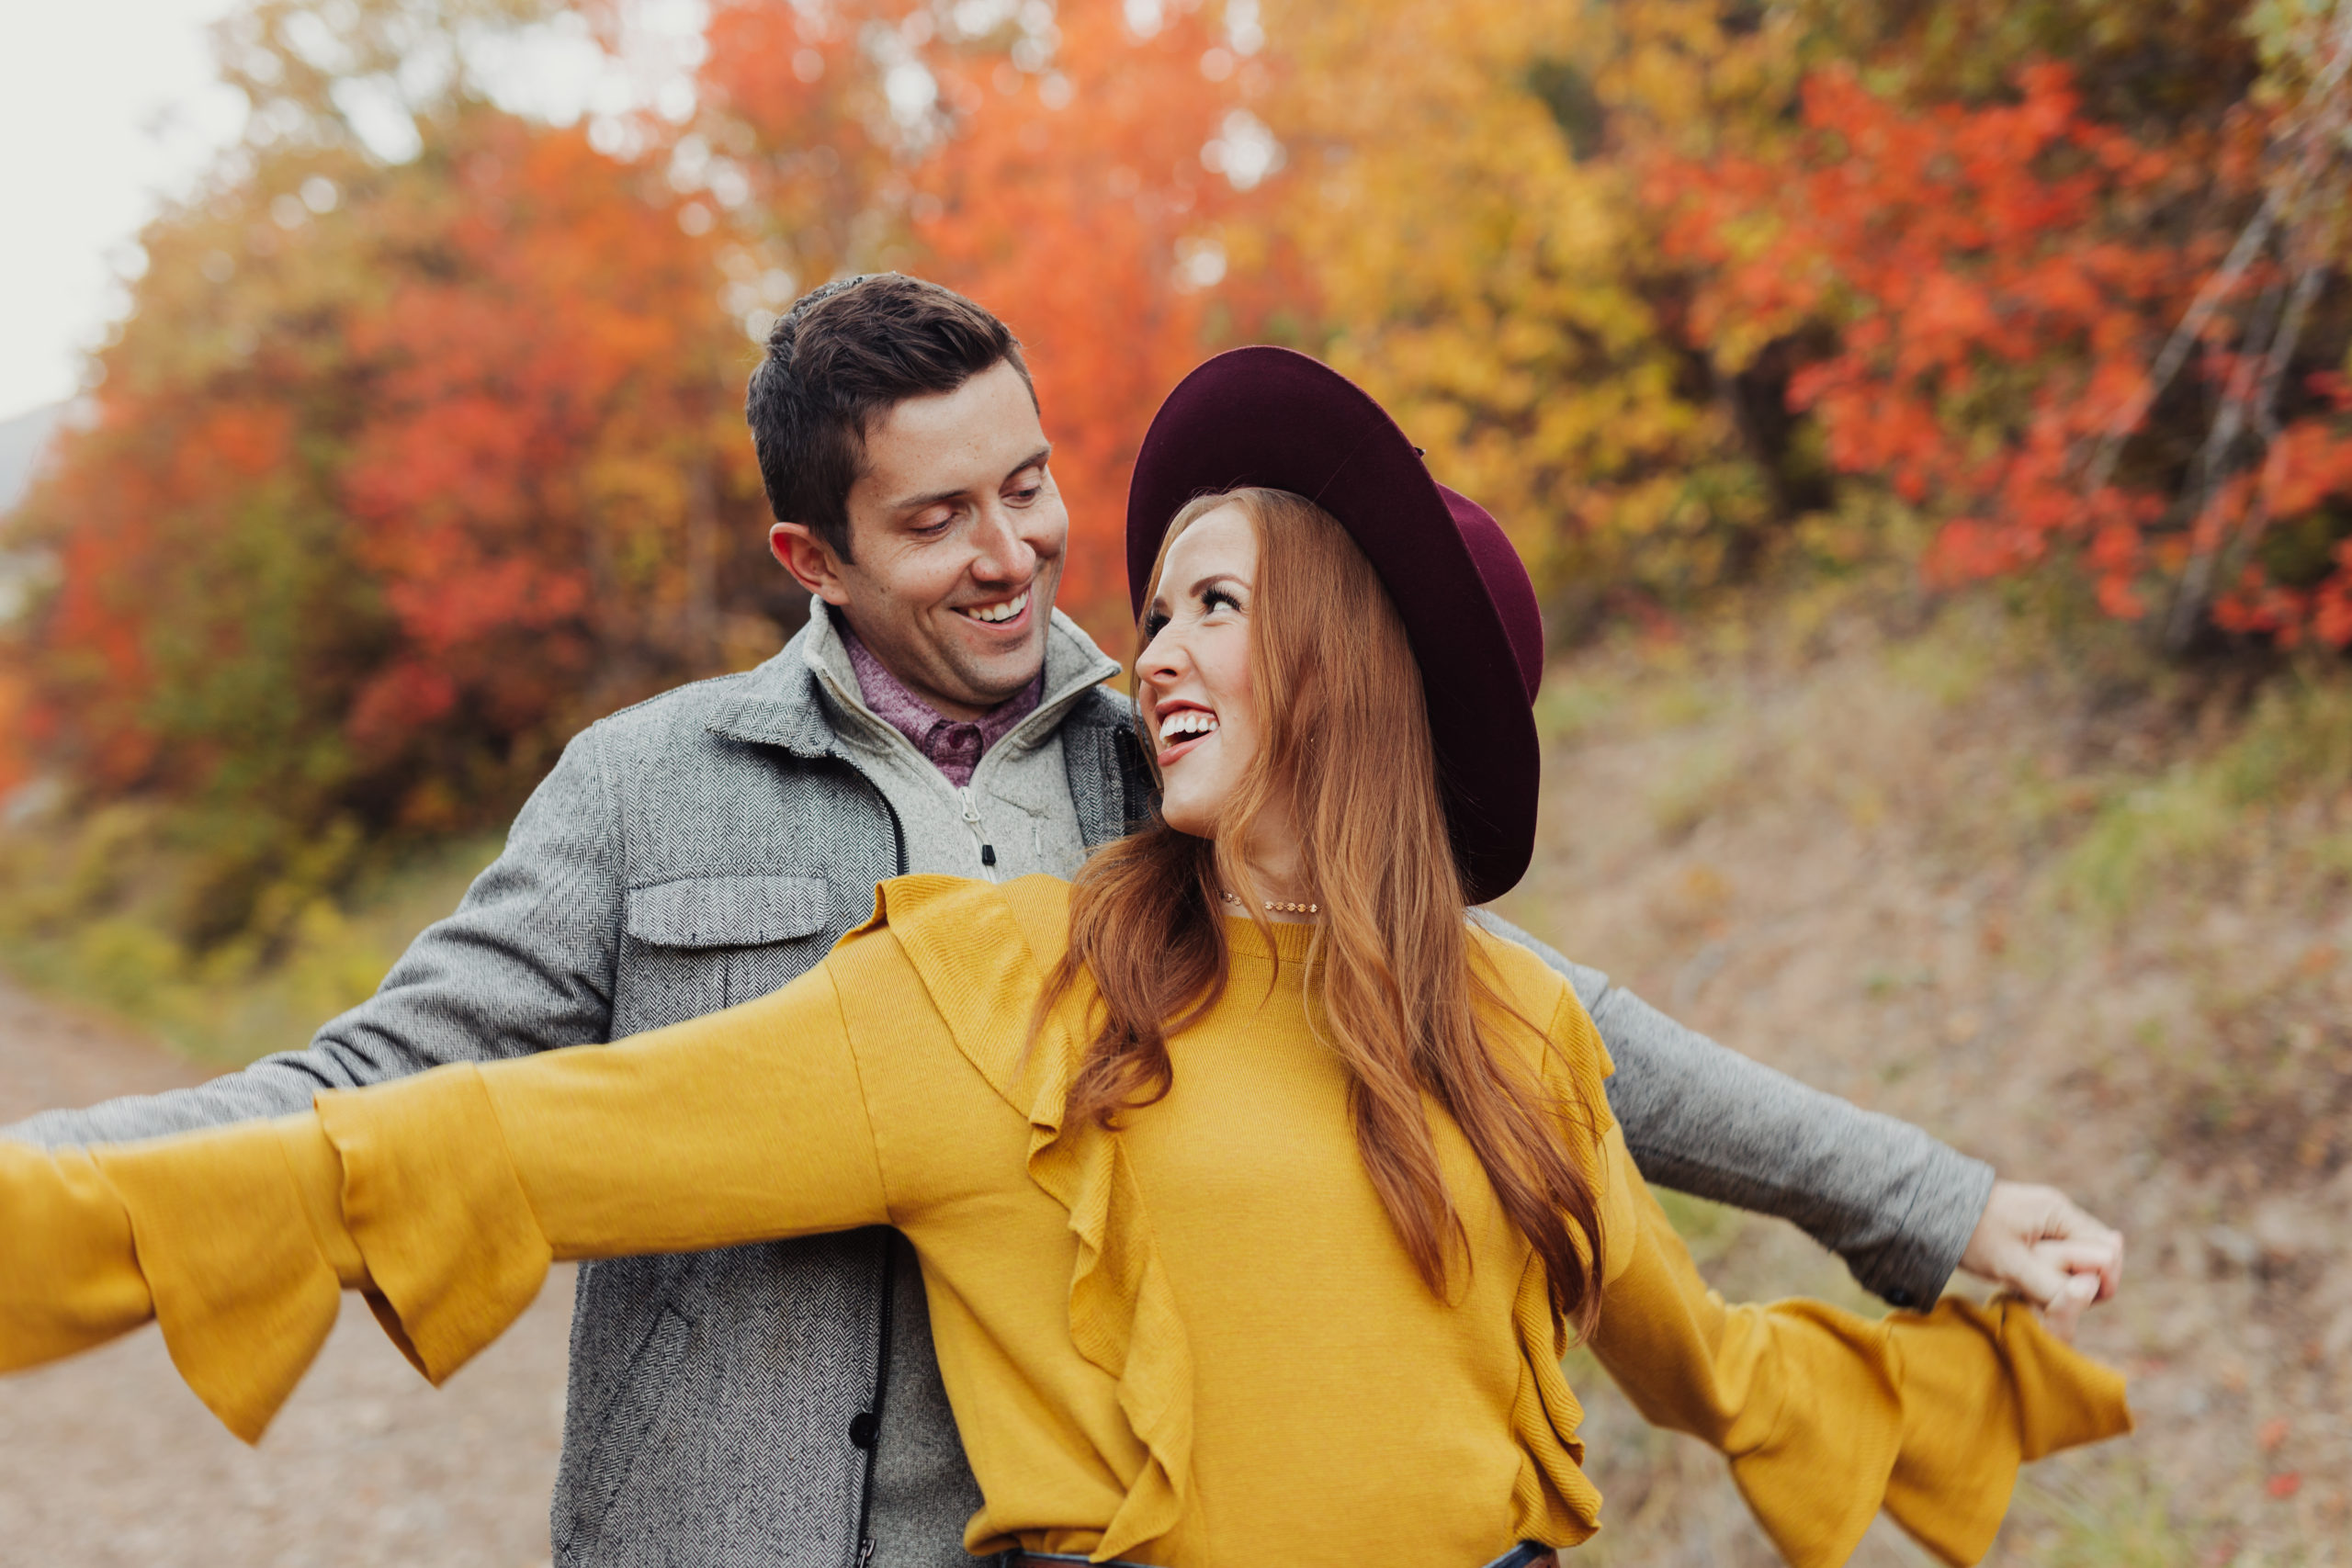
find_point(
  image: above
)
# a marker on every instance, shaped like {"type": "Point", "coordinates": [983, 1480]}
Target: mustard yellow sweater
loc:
{"type": "Point", "coordinates": [1193, 1341]}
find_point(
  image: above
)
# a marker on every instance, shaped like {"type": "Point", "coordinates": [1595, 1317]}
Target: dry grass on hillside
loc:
{"type": "Point", "coordinates": [2087, 920]}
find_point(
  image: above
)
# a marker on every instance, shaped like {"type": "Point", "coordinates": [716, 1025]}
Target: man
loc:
{"type": "Point", "coordinates": [781, 1404]}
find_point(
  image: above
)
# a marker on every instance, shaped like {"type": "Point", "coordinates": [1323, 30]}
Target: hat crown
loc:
{"type": "Point", "coordinates": [1507, 581]}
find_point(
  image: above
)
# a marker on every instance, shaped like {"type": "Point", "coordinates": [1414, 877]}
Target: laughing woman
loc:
{"type": "Point", "coordinates": [1257, 1193]}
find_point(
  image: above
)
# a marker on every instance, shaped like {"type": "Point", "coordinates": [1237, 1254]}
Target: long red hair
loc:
{"type": "Point", "coordinates": [1400, 991]}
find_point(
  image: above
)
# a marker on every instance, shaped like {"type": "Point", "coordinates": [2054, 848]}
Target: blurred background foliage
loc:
{"type": "Point", "coordinates": [419, 447]}
{"type": "Point", "coordinates": [1928, 422]}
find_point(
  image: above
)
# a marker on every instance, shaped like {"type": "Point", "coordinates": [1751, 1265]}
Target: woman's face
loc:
{"type": "Point", "coordinates": [1193, 676]}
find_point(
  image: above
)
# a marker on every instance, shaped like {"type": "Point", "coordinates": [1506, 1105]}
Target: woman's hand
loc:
{"type": "Point", "coordinates": [2034, 1241]}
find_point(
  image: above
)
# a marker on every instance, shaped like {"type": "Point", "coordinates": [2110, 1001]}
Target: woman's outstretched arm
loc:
{"type": "Point", "coordinates": [1828, 1417]}
{"type": "Point", "coordinates": [444, 1197]}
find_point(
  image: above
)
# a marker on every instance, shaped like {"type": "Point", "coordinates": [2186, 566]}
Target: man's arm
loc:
{"type": "Point", "coordinates": [1897, 1205]}
{"type": "Point", "coordinates": [524, 963]}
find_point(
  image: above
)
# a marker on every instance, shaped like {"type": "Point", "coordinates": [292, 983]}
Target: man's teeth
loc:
{"type": "Point", "coordinates": [1187, 721]}
{"type": "Point", "coordinates": [1004, 612]}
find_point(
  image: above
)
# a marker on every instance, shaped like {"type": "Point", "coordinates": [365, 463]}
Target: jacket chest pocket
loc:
{"type": "Point", "coordinates": [699, 943]}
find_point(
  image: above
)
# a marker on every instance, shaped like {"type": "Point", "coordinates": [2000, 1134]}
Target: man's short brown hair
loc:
{"type": "Point", "coordinates": [841, 356]}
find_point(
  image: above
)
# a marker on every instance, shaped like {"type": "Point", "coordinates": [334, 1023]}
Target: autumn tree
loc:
{"type": "Point", "coordinates": [1464, 188]}
{"type": "Point", "coordinates": [2064, 341]}
{"type": "Point", "coordinates": [1055, 165]}
{"type": "Point", "coordinates": [421, 447]}
{"type": "Point", "coordinates": [399, 473]}
{"type": "Point", "coordinates": [1683, 286]}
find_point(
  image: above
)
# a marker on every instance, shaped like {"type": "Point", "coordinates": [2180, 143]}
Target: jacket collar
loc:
{"type": "Point", "coordinates": [784, 703]}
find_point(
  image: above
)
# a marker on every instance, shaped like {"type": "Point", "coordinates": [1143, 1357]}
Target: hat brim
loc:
{"type": "Point", "coordinates": [1273, 418]}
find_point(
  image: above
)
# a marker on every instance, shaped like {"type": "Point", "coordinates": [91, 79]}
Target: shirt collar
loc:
{"type": "Point", "coordinates": [953, 746]}
{"type": "Point", "coordinates": [831, 651]}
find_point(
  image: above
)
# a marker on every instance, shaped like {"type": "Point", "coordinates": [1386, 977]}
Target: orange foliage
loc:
{"type": "Point", "coordinates": [1068, 194]}
{"type": "Point", "coordinates": [383, 499]}
{"type": "Point", "coordinates": [16, 761]}
{"type": "Point", "coordinates": [540, 395]}
{"type": "Point", "coordinates": [1073, 206]}
{"type": "Point", "coordinates": [146, 515]}
{"type": "Point", "coordinates": [394, 495]}
{"type": "Point", "coordinates": [1999, 290]}
{"type": "Point", "coordinates": [390, 489]}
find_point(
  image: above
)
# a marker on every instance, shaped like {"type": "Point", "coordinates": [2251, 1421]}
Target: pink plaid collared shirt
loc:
{"type": "Point", "coordinates": [953, 746]}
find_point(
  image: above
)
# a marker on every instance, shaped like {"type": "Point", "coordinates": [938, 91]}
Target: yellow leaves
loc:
{"type": "Point", "coordinates": [1503, 295]}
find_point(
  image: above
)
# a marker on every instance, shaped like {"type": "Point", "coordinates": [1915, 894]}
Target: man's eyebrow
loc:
{"type": "Point", "coordinates": [917, 502]}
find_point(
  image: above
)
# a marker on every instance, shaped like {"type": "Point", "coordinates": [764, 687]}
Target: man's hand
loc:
{"type": "Point", "coordinates": [2036, 1242]}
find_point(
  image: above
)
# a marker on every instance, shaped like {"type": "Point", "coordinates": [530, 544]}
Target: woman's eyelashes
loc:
{"type": "Point", "coordinates": [1157, 621]}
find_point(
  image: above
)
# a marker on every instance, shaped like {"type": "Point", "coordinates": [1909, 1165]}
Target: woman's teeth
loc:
{"type": "Point", "coordinates": [1187, 721]}
{"type": "Point", "coordinates": [1004, 612]}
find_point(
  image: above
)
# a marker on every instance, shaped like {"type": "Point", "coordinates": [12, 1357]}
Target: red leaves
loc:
{"type": "Point", "coordinates": [1072, 211]}
{"type": "Point", "coordinates": [569, 331]}
{"type": "Point", "coordinates": [15, 764]}
{"type": "Point", "coordinates": [1996, 294]}
{"type": "Point", "coordinates": [434, 518]}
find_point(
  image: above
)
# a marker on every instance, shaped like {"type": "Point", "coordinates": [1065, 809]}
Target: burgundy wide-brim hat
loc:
{"type": "Point", "coordinates": [1277, 419]}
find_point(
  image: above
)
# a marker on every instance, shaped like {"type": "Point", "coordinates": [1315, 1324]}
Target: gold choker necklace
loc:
{"type": "Point", "coordinates": [1277, 905]}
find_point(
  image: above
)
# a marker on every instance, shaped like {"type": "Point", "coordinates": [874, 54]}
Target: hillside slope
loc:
{"type": "Point", "coordinates": [2086, 920]}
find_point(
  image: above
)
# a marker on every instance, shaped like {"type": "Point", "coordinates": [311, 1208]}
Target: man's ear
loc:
{"type": "Point", "coordinates": [811, 561]}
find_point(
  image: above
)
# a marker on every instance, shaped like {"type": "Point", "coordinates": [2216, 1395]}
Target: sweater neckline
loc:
{"type": "Point", "coordinates": [1292, 939]}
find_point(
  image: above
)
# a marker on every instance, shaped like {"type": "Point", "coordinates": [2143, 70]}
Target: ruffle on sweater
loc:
{"type": "Point", "coordinates": [1831, 1464]}
{"type": "Point", "coordinates": [983, 951]}
{"type": "Point", "coordinates": [454, 1251]}
{"type": "Point", "coordinates": [1827, 1417]}
{"type": "Point", "coordinates": [442, 1242]}
{"type": "Point", "coordinates": [239, 1240]}
{"type": "Point", "coordinates": [1553, 1499]}
{"type": "Point", "coordinates": [98, 1240]}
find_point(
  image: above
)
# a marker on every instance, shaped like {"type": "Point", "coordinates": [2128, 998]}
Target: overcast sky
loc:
{"type": "Point", "coordinates": [103, 104]}
{"type": "Point", "coordinates": [106, 105]}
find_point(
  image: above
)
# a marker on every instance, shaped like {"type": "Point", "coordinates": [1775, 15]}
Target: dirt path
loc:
{"type": "Point", "coordinates": [109, 1460]}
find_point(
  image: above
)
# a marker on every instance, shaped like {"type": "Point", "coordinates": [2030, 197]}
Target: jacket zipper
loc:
{"type": "Point", "coordinates": [889, 1270]}
{"type": "Point", "coordinates": [874, 1407]}
{"type": "Point", "coordinates": [979, 830]}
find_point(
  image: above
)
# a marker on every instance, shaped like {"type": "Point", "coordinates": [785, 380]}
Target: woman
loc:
{"type": "Point", "coordinates": [1257, 1194]}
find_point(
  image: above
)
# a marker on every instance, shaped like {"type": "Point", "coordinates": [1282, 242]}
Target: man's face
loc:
{"type": "Point", "coordinates": [957, 532]}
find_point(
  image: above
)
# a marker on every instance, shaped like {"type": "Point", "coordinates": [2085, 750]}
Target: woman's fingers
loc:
{"type": "Point", "coordinates": [2030, 1272]}
{"type": "Point", "coordinates": [2098, 1258]}
{"type": "Point", "coordinates": [2064, 1313]}
{"type": "Point", "coordinates": [2089, 1246]}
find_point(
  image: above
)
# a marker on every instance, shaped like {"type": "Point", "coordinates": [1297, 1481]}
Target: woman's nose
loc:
{"type": "Point", "coordinates": [1161, 660]}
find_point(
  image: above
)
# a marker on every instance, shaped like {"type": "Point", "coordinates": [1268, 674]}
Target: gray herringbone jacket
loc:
{"type": "Point", "coordinates": [704, 848]}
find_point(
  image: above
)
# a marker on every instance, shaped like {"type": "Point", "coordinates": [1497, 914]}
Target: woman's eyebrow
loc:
{"type": "Point", "coordinates": [1213, 579]}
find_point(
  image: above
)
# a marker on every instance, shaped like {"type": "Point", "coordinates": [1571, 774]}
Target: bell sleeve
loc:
{"type": "Point", "coordinates": [1828, 1417]}
{"type": "Point", "coordinates": [443, 1196]}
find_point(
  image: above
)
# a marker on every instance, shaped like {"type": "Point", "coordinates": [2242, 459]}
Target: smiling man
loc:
{"type": "Point", "coordinates": [779, 1407]}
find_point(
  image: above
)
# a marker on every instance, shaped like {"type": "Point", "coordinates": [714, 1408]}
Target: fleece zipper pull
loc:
{"type": "Point", "coordinates": [972, 820]}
